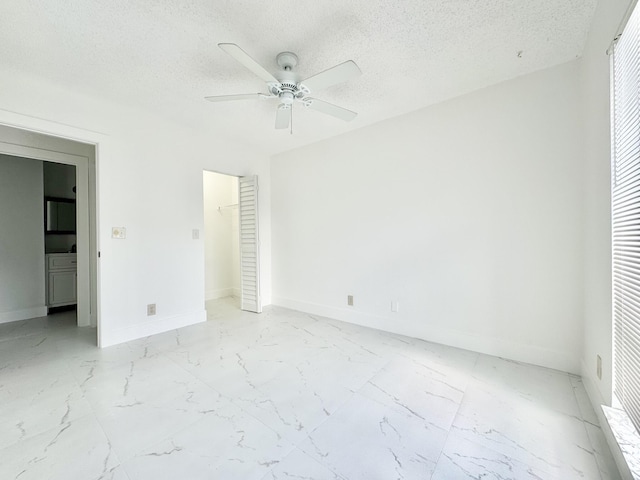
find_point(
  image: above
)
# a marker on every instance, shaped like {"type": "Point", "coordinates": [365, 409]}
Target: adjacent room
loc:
{"type": "Point", "coordinates": [326, 240]}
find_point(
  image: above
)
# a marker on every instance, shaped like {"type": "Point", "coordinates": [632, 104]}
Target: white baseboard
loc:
{"type": "Point", "coordinates": [535, 355]}
{"type": "Point", "coordinates": [236, 292]}
{"type": "Point", "coordinates": [151, 327]}
{"type": "Point", "coordinates": [24, 314]}
{"type": "Point", "coordinates": [220, 293]}
{"type": "Point", "coordinates": [589, 382]}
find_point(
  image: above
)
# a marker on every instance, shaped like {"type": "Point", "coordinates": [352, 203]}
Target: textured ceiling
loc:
{"type": "Point", "coordinates": [162, 54]}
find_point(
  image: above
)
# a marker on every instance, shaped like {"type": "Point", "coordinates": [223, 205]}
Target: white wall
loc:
{"type": "Point", "coordinates": [22, 282]}
{"type": "Point", "coordinates": [221, 260]}
{"type": "Point", "coordinates": [595, 81]}
{"type": "Point", "coordinates": [149, 181]}
{"type": "Point", "coordinates": [469, 213]}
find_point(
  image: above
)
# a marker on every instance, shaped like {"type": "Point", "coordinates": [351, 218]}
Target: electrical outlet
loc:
{"type": "Point", "coordinates": [350, 300]}
{"type": "Point", "coordinates": [599, 366]}
{"type": "Point", "coordinates": [151, 309]}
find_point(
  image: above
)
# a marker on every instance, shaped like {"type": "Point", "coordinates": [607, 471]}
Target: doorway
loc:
{"type": "Point", "coordinates": [231, 243]}
{"type": "Point", "coordinates": [221, 241]}
{"type": "Point", "coordinates": [77, 159]}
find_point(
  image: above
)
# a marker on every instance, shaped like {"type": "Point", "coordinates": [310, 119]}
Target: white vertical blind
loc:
{"type": "Point", "coordinates": [626, 217]}
{"type": "Point", "coordinates": [249, 258]}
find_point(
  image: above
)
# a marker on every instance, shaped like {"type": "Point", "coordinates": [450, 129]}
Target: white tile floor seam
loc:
{"type": "Point", "coordinates": [283, 395]}
{"type": "Point", "coordinates": [439, 459]}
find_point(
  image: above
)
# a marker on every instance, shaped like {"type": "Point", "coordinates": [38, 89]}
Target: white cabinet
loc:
{"type": "Point", "coordinates": [62, 288]}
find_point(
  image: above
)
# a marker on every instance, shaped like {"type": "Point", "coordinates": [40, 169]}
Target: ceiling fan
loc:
{"type": "Point", "coordinates": [288, 88]}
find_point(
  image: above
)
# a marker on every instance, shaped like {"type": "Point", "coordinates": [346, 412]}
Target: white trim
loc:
{"type": "Point", "coordinates": [101, 143]}
{"type": "Point", "coordinates": [40, 154]}
{"type": "Point", "coordinates": [24, 314]}
{"type": "Point", "coordinates": [590, 385]}
{"type": "Point", "coordinates": [491, 346]}
{"type": "Point", "coordinates": [152, 327]}
{"type": "Point", "coordinates": [49, 127]}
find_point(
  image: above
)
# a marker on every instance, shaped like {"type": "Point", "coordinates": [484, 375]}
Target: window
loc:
{"type": "Point", "coordinates": [626, 217]}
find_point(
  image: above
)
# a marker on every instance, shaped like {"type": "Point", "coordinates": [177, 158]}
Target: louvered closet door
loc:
{"type": "Point", "coordinates": [249, 258]}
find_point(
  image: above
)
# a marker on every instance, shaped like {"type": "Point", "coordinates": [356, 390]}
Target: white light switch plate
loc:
{"type": "Point", "coordinates": [118, 232]}
{"type": "Point", "coordinates": [195, 234]}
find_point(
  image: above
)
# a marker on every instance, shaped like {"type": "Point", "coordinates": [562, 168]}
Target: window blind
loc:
{"type": "Point", "coordinates": [626, 217]}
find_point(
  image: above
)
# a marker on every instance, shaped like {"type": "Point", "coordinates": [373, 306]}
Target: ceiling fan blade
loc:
{"type": "Point", "coordinates": [338, 74]}
{"type": "Point", "coordinates": [242, 96]}
{"type": "Point", "coordinates": [283, 117]}
{"type": "Point", "coordinates": [241, 56]}
{"type": "Point", "coordinates": [330, 109]}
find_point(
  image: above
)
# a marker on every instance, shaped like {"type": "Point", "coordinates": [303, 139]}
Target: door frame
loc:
{"type": "Point", "coordinates": [239, 266]}
{"type": "Point", "coordinates": [87, 198]}
{"type": "Point", "coordinates": [85, 283]}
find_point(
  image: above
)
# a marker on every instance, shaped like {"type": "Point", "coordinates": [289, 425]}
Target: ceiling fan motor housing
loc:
{"type": "Point", "coordinates": [288, 91]}
{"type": "Point", "coordinates": [287, 97]}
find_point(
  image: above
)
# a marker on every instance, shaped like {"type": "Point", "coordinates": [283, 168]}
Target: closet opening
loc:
{"type": "Point", "coordinates": [231, 243]}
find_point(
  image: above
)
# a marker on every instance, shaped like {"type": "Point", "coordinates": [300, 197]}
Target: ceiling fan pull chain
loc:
{"type": "Point", "coordinates": [291, 124]}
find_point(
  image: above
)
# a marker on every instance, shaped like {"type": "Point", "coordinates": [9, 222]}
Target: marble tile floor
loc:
{"type": "Point", "coordinates": [282, 395]}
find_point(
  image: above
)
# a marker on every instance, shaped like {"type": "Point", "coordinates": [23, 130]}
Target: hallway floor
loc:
{"type": "Point", "coordinates": [282, 395]}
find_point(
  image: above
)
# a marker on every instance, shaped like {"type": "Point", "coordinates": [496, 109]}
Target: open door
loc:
{"type": "Point", "coordinates": [249, 243]}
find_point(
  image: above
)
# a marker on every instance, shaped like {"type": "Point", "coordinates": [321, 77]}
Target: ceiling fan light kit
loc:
{"type": "Point", "coordinates": [286, 86]}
